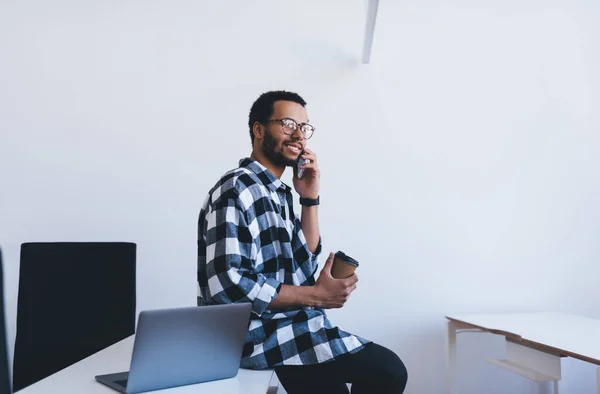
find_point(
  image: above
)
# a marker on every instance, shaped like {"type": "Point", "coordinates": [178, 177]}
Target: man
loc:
{"type": "Point", "coordinates": [252, 247]}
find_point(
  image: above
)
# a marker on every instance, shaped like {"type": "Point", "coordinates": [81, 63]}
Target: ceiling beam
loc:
{"type": "Point", "coordinates": [372, 6]}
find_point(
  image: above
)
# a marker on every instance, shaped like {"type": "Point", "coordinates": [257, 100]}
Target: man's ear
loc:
{"type": "Point", "coordinates": [258, 130]}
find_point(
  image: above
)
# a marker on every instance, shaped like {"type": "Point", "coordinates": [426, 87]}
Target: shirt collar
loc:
{"type": "Point", "coordinates": [266, 177]}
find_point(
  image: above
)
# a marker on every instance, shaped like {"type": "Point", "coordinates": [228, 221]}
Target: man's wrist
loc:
{"type": "Point", "coordinates": [310, 296]}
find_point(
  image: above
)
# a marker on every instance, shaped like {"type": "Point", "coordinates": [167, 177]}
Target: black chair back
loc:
{"type": "Point", "coordinates": [74, 300]}
{"type": "Point", "coordinates": [4, 371]}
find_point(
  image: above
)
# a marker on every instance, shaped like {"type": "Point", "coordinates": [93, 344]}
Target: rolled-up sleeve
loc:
{"type": "Point", "coordinates": [307, 260]}
{"type": "Point", "coordinates": [231, 250]}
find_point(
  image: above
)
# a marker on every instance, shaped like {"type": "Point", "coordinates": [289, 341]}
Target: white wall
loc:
{"type": "Point", "coordinates": [459, 167]}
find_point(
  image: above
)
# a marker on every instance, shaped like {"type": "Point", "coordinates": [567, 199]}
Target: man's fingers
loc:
{"type": "Point", "coordinates": [348, 290]}
{"type": "Point", "coordinates": [309, 165]}
{"type": "Point", "coordinates": [351, 280]}
{"type": "Point", "coordinates": [330, 258]}
{"type": "Point", "coordinates": [310, 158]}
{"type": "Point", "coordinates": [329, 262]}
{"type": "Point", "coordinates": [310, 155]}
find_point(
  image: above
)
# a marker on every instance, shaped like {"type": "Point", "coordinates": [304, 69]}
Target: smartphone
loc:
{"type": "Point", "coordinates": [301, 161]}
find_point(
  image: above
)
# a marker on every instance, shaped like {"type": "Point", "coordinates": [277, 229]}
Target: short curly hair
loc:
{"type": "Point", "coordinates": [262, 109]}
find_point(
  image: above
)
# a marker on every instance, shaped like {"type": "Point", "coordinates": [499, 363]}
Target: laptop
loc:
{"type": "Point", "coordinates": [181, 346]}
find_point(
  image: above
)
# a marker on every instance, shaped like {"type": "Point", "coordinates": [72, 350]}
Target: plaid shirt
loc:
{"type": "Point", "coordinates": [250, 242]}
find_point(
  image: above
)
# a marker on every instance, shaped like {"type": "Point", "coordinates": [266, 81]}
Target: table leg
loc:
{"type": "Point", "coordinates": [451, 361]}
{"type": "Point", "coordinates": [598, 380]}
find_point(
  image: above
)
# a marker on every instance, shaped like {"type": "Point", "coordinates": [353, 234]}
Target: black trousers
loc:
{"type": "Point", "coordinates": [373, 370]}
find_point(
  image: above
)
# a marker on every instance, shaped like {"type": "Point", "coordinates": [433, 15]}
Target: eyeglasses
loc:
{"type": "Point", "coordinates": [290, 127]}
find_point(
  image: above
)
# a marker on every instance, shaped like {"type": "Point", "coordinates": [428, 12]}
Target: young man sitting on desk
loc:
{"type": "Point", "coordinates": [252, 247]}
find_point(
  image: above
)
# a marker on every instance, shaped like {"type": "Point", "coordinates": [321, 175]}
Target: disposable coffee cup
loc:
{"type": "Point", "coordinates": [343, 266]}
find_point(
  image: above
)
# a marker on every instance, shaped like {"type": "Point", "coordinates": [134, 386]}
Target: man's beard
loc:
{"type": "Point", "coordinates": [277, 158]}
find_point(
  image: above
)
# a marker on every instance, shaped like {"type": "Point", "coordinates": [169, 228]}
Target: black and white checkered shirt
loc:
{"type": "Point", "coordinates": [250, 242]}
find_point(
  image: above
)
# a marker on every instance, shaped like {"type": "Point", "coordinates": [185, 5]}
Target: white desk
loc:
{"type": "Point", "coordinates": [535, 342]}
{"type": "Point", "coordinates": [79, 378]}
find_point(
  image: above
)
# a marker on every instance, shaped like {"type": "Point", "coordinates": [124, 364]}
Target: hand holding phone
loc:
{"type": "Point", "coordinates": [306, 180]}
{"type": "Point", "coordinates": [301, 162]}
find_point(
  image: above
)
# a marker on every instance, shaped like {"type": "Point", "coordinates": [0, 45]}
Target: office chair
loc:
{"type": "Point", "coordinates": [4, 371]}
{"type": "Point", "coordinates": [75, 299]}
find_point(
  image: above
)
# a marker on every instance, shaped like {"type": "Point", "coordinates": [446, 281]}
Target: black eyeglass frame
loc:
{"type": "Point", "coordinates": [295, 128]}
